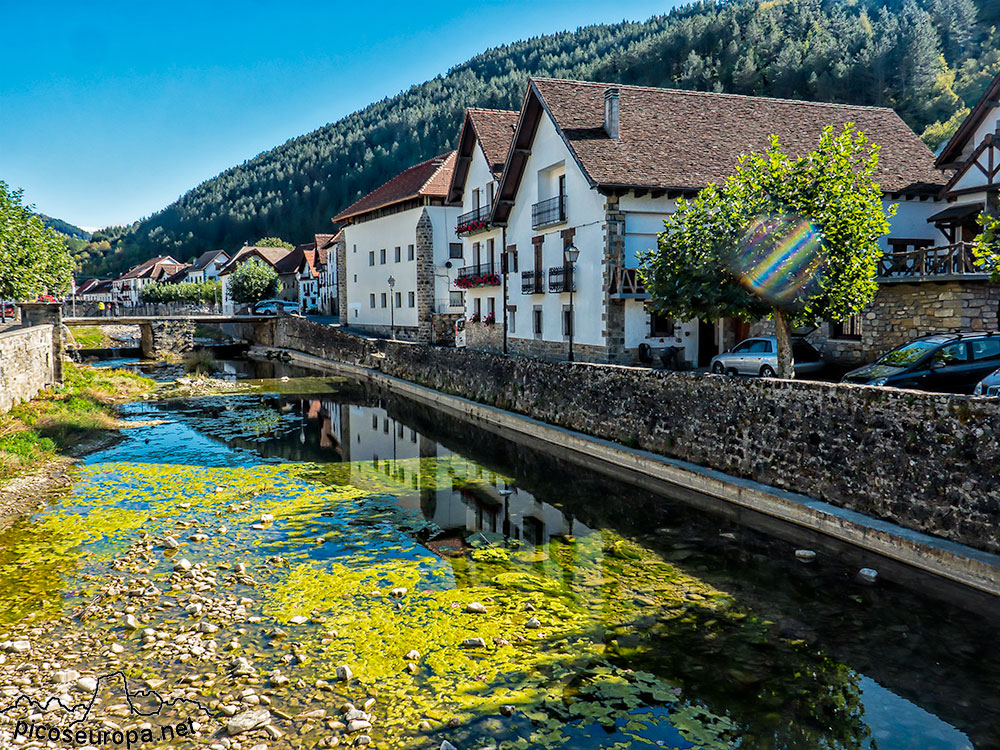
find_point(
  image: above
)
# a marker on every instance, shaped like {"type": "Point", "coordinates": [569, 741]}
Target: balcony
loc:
{"type": "Point", "coordinates": [473, 222]}
{"type": "Point", "coordinates": [548, 212]}
{"type": "Point", "coordinates": [626, 284]}
{"type": "Point", "coordinates": [561, 279]}
{"type": "Point", "coordinates": [532, 282]}
{"type": "Point", "coordinates": [483, 274]}
{"type": "Point", "coordinates": [948, 262]}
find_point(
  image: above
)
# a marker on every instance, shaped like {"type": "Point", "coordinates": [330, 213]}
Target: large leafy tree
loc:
{"type": "Point", "coordinates": [202, 291]}
{"type": "Point", "coordinates": [793, 238]}
{"type": "Point", "coordinates": [987, 247]}
{"type": "Point", "coordinates": [252, 282]}
{"type": "Point", "coordinates": [33, 258]}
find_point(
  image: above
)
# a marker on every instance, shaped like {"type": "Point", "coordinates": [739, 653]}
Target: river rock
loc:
{"type": "Point", "coordinates": [183, 565]}
{"type": "Point", "coordinates": [170, 543]}
{"type": "Point", "coordinates": [473, 643]}
{"type": "Point", "coordinates": [412, 655]}
{"type": "Point", "coordinates": [344, 673]}
{"type": "Point", "coordinates": [868, 575]}
{"type": "Point", "coordinates": [507, 709]}
{"type": "Point", "coordinates": [445, 745]}
{"type": "Point", "coordinates": [533, 624]}
{"type": "Point", "coordinates": [208, 627]}
{"type": "Point", "coordinates": [131, 623]}
{"type": "Point", "coordinates": [299, 620]}
{"type": "Point", "coordinates": [266, 518]}
{"type": "Point", "coordinates": [66, 675]}
{"type": "Point", "coordinates": [248, 720]}
{"type": "Point", "coordinates": [16, 647]}
{"type": "Point", "coordinates": [86, 684]}
{"type": "Point", "coordinates": [475, 608]}
{"type": "Point", "coordinates": [805, 555]}
{"type": "Point", "coordinates": [363, 739]}
{"type": "Point", "coordinates": [356, 725]}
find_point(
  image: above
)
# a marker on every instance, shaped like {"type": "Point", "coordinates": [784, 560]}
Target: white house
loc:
{"type": "Point", "coordinates": [482, 150]}
{"type": "Point", "coordinates": [600, 166]}
{"type": "Point", "coordinates": [94, 290]}
{"type": "Point", "coordinates": [207, 266]}
{"type": "Point", "coordinates": [326, 264]}
{"type": "Point", "coordinates": [269, 256]}
{"type": "Point", "coordinates": [126, 288]}
{"type": "Point", "coordinates": [401, 255]}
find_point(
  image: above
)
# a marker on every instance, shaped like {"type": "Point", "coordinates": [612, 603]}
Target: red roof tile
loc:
{"type": "Point", "coordinates": [429, 178]}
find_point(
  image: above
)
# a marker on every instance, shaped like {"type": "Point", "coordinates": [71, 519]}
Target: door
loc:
{"type": "Point", "coordinates": [949, 370]}
{"type": "Point", "coordinates": [736, 359]}
{"type": "Point", "coordinates": [706, 343]}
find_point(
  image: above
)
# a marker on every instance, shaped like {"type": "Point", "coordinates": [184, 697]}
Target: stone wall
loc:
{"type": "Point", "coordinates": [484, 338]}
{"type": "Point", "coordinates": [443, 328]}
{"type": "Point", "coordinates": [166, 339]}
{"type": "Point", "coordinates": [925, 461]}
{"type": "Point", "coordinates": [26, 364]}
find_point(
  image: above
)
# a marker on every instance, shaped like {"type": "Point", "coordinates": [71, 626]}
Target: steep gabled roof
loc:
{"type": "Point", "coordinates": [205, 258]}
{"type": "Point", "coordinates": [292, 263]}
{"type": "Point", "coordinates": [429, 178]}
{"type": "Point", "coordinates": [270, 255]}
{"type": "Point", "coordinates": [324, 243]}
{"type": "Point", "coordinates": [681, 141]}
{"type": "Point", "coordinates": [154, 267]}
{"type": "Point", "coordinates": [87, 286]}
{"type": "Point", "coordinates": [952, 152]}
{"type": "Point", "coordinates": [492, 130]}
{"type": "Point", "coordinates": [177, 277]}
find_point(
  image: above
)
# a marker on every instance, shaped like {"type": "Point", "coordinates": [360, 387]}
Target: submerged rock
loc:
{"type": "Point", "coordinates": [868, 575]}
{"type": "Point", "coordinates": [344, 673]}
{"type": "Point", "coordinates": [473, 643]}
{"type": "Point", "coordinates": [805, 555]}
{"type": "Point", "coordinates": [475, 608]}
{"type": "Point", "coordinates": [248, 720]}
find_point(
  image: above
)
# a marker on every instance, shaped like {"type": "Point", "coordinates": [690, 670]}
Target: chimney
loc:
{"type": "Point", "coordinates": [612, 115]}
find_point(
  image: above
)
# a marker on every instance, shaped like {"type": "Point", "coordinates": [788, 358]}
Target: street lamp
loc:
{"type": "Point", "coordinates": [392, 309]}
{"type": "Point", "coordinates": [571, 253]}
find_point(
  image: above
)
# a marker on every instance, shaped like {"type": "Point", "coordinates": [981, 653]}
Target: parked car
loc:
{"type": "Point", "coordinates": [942, 363]}
{"type": "Point", "coordinates": [272, 306]}
{"type": "Point", "coordinates": [759, 356]}
{"type": "Point", "coordinates": [988, 386]}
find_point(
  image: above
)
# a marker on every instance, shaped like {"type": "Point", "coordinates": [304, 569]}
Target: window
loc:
{"type": "Point", "coordinates": [986, 349]}
{"type": "Point", "coordinates": [371, 258]}
{"type": "Point", "coordinates": [475, 254]}
{"type": "Point", "coordinates": [411, 299]}
{"type": "Point", "coordinates": [567, 321]}
{"type": "Point", "coordinates": [383, 299]}
{"type": "Point", "coordinates": [355, 278]}
{"type": "Point", "coordinates": [760, 346]}
{"type": "Point", "coordinates": [399, 299]}
{"type": "Point", "coordinates": [562, 184]}
{"type": "Point", "coordinates": [371, 300]}
{"type": "Point", "coordinates": [491, 306]}
{"type": "Point", "coordinates": [849, 328]}
{"type": "Point", "coordinates": [511, 318]}
{"type": "Point", "coordinates": [952, 354]}
{"type": "Point", "coordinates": [454, 249]}
{"type": "Point", "coordinates": [660, 325]}
{"type": "Point", "coordinates": [381, 257]}
{"type": "Point", "coordinates": [536, 318]}
{"type": "Point", "coordinates": [374, 421]}
{"type": "Point", "coordinates": [409, 252]}
{"type": "Point", "coordinates": [477, 307]}
{"type": "Point", "coordinates": [743, 348]}
{"type": "Point", "coordinates": [398, 254]}
{"type": "Point", "coordinates": [355, 248]}
{"type": "Point", "coordinates": [476, 198]}
{"type": "Point", "coordinates": [456, 299]}
{"type": "Point", "coordinates": [490, 252]}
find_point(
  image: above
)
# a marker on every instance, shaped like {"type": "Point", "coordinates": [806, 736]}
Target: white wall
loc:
{"type": "Point", "coordinates": [480, 176]}
{"type": "Point", "coordinates": [585, 211]}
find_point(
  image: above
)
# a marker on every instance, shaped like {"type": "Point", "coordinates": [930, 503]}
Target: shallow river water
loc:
{"type": "Point", "coordinates": [610, 617]}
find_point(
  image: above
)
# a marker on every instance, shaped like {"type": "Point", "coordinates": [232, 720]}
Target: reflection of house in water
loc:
{"type": "Point", "coordinates": [449, 490]}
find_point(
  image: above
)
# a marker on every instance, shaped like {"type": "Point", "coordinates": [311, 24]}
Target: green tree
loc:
{"type": "Point", "coordinates": [194, 292]}
{"type": "Point", "coordinates": [252, 282]}
{"type": "Point", "coordinates": [33, 258]}
{"type": "Point", "coordinates": [273, 242]}
{"type": "Point", "coordinates": [820, 214]}
{"type": "Point", "coordinates": [987, 247]}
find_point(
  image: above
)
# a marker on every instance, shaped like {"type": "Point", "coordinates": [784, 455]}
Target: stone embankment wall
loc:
{"type": "Point", "coordinates": [925, 461]}
{"type": "Point", "coordinates": [26, 364]}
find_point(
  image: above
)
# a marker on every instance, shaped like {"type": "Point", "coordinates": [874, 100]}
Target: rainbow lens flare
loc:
{"type": "Point", "coordinates": [780, 259]}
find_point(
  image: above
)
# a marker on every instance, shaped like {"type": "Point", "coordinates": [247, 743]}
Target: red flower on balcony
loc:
{"type": "Point", "coordinates": [482, 279]}
{"type": "Point", "coordinates": [472, 226]}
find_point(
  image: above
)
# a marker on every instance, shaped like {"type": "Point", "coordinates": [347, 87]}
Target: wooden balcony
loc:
{"type": "Point", "coordinates": [548, 212]}
{"type": "Point", "coordinates": [561, 279]}
{"type": "Point", "coordinates": [626, 284]}
{"type": "Point", "coordinates": [948, 262]}
{"type": "Point", "coordinates": [532, 282]}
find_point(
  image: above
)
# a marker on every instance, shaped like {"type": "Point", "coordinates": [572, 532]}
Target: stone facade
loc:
{"type": "Point", "coordinates": [425, 277]}
{"type": "Point", "coordinates": [164, 339]}
{"type": "Point", "coordinates": [443, 328]}
{"type": "Point", "coordinates": [27, 364]}
{"type": "Point", "coordinates": [47, 314]}
{"type": "Point", "coordinates": [925, 461]}
{"type": "Point", "coordinates": [340, 250]}
{"type": "Point", "coordinates": [902, 312]}
{"type": "Point", "coordinates": [485, 338]}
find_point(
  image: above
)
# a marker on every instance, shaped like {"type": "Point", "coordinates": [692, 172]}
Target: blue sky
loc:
{"type": "Point", "coordinates": [110, 111]}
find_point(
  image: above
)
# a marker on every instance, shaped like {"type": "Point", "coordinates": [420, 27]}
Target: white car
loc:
{"type": "Point", "coordinates": [759, 356]}
{"type": "Point", "coordinates": [272, 306]}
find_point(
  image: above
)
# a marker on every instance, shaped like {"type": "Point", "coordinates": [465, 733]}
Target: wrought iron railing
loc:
{"type": "Point", "coordinates": [561, 279]}
{"type": "Point", "coordinates": [474, 221]}
{"type": "Point", "coordinates": [482, 274]}
{"type": "Point", "coordinates": [548, 212]}
{"type": "Point", "coordinates": [947, 260]}
{"type": "Point", "coordinates": [532, 282]}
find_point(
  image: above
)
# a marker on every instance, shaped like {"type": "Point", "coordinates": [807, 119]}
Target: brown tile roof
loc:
{"type": "Point", "coordinates": [495, 131]}
{"type": "Point", "coordinates": [177, 277]}
{"type": "Point", "coordinates": [688, 139]}
{"type": "Point", "coordinates": [205, 258]}
{"type": "Point", "coordinates": [270, 255]}
{"type": "Point", "coordinates": [429, 178]}
{"type": "Point", "coordinates": [154, 267]}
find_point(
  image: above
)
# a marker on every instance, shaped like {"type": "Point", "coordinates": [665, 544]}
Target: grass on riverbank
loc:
{"type": "Point", "coordinates": [91, 337]}
{"type": "Point", "coordinates": [59, 419]}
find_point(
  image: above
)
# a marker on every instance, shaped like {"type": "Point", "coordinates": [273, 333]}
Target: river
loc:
{"type": "Point", "coordinates": [332, 525]}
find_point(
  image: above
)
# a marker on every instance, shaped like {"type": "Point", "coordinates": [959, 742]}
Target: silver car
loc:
{"type": "Point", "coordinates": [759, 356]}
{"type": "Point", "coordinates": [988, 386]}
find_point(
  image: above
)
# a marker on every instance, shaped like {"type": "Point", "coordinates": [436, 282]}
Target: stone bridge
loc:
{"type": "Point", "coordinates": [165, 335]}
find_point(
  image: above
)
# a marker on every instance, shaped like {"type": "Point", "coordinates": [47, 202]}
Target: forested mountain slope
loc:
{"type": "Point", "coordinates": [927, 58]}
